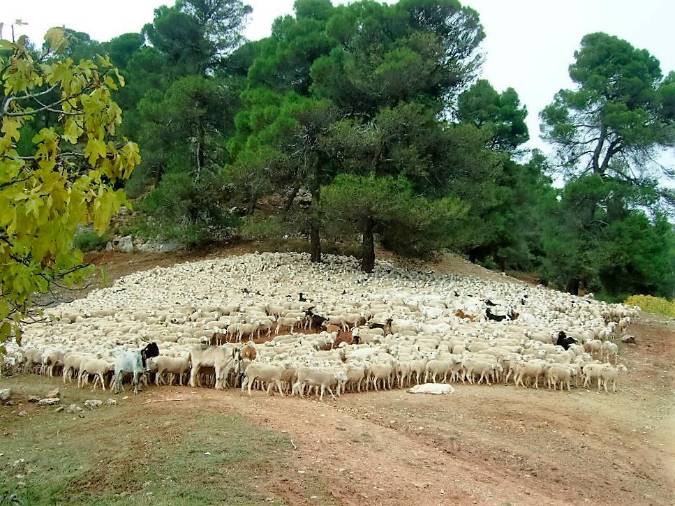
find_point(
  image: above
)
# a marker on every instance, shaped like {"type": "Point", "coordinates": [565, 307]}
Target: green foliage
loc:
{"type": "Point", "coordinates": [191, 211]}
{"type": "Point", "coordinates": [408, 224]}
{"type": "Point", "coordinates": [618, 115]}
{"type": "Point", "coordinates": [87, 240]}
{"type": "Point", "coordinates": [67, 178]}
{"type": "Point", "coordinates": [196, 35]}
{"type": "Point", "coordinates": [600, 238]}
{"type": "Point", "coordinates": [415, 50]}
{"type": "Point", "coordinates": [501, 113]}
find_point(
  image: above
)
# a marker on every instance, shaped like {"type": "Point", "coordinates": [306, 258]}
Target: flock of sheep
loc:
{"type": "Point", "coordinates": [276, 321]}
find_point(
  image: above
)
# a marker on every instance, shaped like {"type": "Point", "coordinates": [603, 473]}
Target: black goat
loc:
{"type": "Point", "coordinates": [150, 351]}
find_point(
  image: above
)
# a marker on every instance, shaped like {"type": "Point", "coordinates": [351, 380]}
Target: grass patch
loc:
{"type": "Point", "coordinates": [160, 453]}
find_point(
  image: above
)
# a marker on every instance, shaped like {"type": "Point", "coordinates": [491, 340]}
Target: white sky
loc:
{"type": "Point", "coordinates": [529, 43]}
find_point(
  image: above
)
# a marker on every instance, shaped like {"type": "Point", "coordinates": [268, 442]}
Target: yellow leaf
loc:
{"type": "Point", "coordinates": [94, 150]}
{"type": "Point", "coordinates": [56, 39]}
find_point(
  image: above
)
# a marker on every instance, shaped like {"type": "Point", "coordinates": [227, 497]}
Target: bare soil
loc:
{"type": "Point", "coordinates": [479, 445]}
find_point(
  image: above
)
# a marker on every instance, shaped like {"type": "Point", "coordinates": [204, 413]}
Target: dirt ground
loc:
{"type": "Point", "coordinates": [479, 445]}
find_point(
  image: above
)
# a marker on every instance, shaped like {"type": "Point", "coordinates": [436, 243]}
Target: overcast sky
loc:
{"type": "Point", "coordinates": [529, 43]}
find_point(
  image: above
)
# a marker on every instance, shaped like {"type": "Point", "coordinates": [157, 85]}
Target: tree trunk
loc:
{"type": "Point", "coordinates": [201, 156]}
{"type": "Point", "coordinates": [502, 264]}
{"type": "Point", "coordinates": [573, 286]}
{"type": "Point", "coordinates": [314, 228]}
{"type": "Point", "coordinates": [368, 247]}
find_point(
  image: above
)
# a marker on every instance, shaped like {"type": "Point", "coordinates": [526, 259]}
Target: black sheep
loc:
{"type": "Point", "coordinates": [564, 340]}
{"type": "Point", "coordinates": [494, 317]}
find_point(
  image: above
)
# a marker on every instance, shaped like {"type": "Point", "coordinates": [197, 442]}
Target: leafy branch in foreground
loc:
{"type": "Point", "coordinates": [69, 175]}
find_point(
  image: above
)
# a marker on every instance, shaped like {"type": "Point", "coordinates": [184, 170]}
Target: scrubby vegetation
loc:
{"type": "Point", "coordinates": [651, 304]}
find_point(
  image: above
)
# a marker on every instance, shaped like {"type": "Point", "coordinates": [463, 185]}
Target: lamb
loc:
{"type": "Point", "coordinates": [174, 366]}
{"type": "Point", "coordinates": [593, 371]}
{"type": "Point", "coordinates": [560, 373]}
{"type": "Point", "coordinates": [269, 373]}
{"type": "Point", "coordinates": [51, 359]}
{"type": "Point", "coordinates": [381, 372]}
{"type": "Point", "coordinates": [609, 350]}
{"type": "Point", "coordinates": [565, 341]}
{"type": "Point", "coordinates": [485, 368]}
{"type": "Point", "coordinates": [32, 358]}
{"type": "Point", "coordinates": [435, 368]}
{"type": "Point", "coordinates": [609, 373]}
{"type": "Point", "coordinates": [594, 346]}
{"type": "Point", "coordinates": [289, 322]}
{"type": "Point", "coordinates": [71, 364]}
{"type": "Point", "coordinates": [221, 358]}
{"type": "Point", "coordinates": [99, 368]}
{"type": "Point", "coordinates": [365, 335]}
{"type": "Point", "coordinates": [323, 378]}
{"type": "Point", "coordinates": [532, 370]}
{"type": "Point", "coordinates": [133, 362]}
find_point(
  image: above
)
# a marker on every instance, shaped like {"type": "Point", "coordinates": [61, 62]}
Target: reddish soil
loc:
{"type": "Point", "coordinates": [479, 445]}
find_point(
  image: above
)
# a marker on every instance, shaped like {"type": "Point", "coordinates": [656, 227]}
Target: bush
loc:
{"type": "Point", "coordinates": [88, 240]}
{"type": "Point", "coordinates": [650, 304]}
{"type": "Point", "coordinates": [191, 211]}
{"type": "Point", "coordinates": [259, 227]}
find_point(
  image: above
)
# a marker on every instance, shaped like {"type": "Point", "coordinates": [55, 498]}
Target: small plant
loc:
{"type": "Point", "coordinates": [87, 240]}
{"type": "Point", "coordinates": [651, 304]}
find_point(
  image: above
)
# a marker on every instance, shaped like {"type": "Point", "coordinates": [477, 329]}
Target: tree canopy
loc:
{"type": "Point", "coordinates": [366, 122]}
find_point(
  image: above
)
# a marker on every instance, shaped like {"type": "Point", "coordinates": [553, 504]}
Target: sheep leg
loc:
{"type": "Point", "coordinates": [193, 373]}
{"type": "Point", "coordinates": [278, 382]}
{"type": "Point", "coordinates": [250, 385]}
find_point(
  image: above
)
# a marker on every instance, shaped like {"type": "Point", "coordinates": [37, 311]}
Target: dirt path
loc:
{"type": "Point", "coordinates": [480, 445]}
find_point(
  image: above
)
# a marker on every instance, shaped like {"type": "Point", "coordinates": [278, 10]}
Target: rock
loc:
{"type": "Point", "coordinates": [93, 404]}
{"type": "Point", "coordinates": [125, 244]}
{"type": "Point", "coordinates": [22, 413]}
{"type": "Point", "coordinates": [628, 339]}
{"type": "Point", "coordinates": [33, 398]}
{"type": "Point", "coordinates": [111, 402]}
{"type": "Point", "coordinates": [49, 401]}
{"type": "Point", "coordinates": [53, 394]}
{"type": "Point", "coordinates": [59, 409]}
{"type": "Point", "coordinates": [5, 394]}
{"type": "Point", "coordinates": [157, 247]}
{"type": "Point", "coordinates": [73, 408]}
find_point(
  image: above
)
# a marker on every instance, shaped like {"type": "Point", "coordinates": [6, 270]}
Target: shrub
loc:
{"type": "Point", "coordinates": [650, 304]}
{"type": "Point", "coordinates": [88, 240]}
